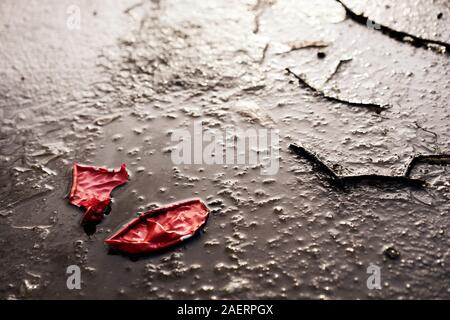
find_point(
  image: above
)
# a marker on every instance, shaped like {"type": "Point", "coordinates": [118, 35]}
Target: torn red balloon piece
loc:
{"type": "Point", "coordinates": [160, 228]}
{"type": "Point", "coordinates": [91, 189]}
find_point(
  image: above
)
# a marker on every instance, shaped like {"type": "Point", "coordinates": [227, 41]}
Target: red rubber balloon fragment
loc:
{"type": "Point", "coordinates": [160, 228]}
{"type": "Point", "coordinates": [91, 189]}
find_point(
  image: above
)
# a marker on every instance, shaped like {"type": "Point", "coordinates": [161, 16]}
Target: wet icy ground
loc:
{"type": "Point", "coordinates": [114, 91]}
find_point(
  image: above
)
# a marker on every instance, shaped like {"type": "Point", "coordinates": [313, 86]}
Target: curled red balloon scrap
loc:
{"type": "Point", "coordinates": [160, 228]}
{"type": "Point", "coordinates": [91, 189]}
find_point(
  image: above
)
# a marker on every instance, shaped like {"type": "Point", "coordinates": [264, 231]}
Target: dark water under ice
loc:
{"type": "Point", "coordinates": [114, 90]}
